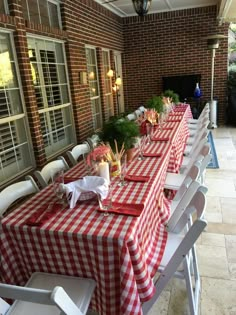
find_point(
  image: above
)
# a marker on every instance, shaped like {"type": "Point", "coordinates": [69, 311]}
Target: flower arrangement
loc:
{"type": "Point", "coordinates": [102, 152]}
{"type": "Point", "coordinates": [151, 115]}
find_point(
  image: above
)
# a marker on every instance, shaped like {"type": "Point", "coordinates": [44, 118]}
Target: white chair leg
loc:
{"type": "Point", "coordinates": [189, 286]}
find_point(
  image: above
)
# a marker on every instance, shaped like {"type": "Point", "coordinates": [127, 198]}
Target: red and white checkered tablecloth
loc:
{"type": "Point", "coordinates": [177, 132]}
{"type": "Point", "coordinates": [120, 252]}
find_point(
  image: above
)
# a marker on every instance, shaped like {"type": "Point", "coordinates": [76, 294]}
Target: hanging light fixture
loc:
{"type": "Point", "coordinates": [141, 6]}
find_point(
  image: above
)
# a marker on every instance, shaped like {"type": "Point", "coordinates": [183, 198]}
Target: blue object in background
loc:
{"type": "Point", "coordinates": [197, 92]}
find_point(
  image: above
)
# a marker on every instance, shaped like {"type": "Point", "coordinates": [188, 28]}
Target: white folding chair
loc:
{"type": "Point", "coordinates": [138, 113]}
{"type": "Point", "coordinates": [48, 294]}
{"type": "Point", "coordinates": [190, 148]}
{"type": "Point", "coordinates": [187, 159]}
{"type": "Point", "coordinates": [184, 195]}
{"type": "Point", "coordinates": [77, 151]}
{"type": "Point", "coordinates": [178, 251]}
{"type": "Point", "coordinates": [16, 191]}
{"type": "Point", "coordinates": [173, 181]}
{"type": "Point", "coordinates": [196, 137]}
{"type": "Point", "coordinates": [93, 141]}
{"type": "Point", "coordinates": [50, 169]}
{"type": "Point", "coordinates": [188, 204]}
{"type": "Point", "coordinates": [194, 131]}
{"type": "Point", "coordinates": [142, 108]}
{"type": "Point", "coordinates": [132, 116]}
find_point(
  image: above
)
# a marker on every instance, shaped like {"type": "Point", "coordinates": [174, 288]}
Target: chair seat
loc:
{"type": "Point", "coordinates": [193, 121]}
{"type": "Point", "coordinates": [174, 181]}
{"type": "Point", "coordinates": [79, 290]}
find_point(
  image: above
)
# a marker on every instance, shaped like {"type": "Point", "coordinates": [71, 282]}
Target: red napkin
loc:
{"type": "Point", "coordinates": [126, 209]}
{"type": "Point", "coordinates": [43, 214]}
{"type": "Point", "coordinates": [69, 179]}
{"type": "Point", "coordinates": [160, 138]}
{"type": "Point", "coordinates": [135, 178]}
{"type": "Point", "coordinates": [151, 154]}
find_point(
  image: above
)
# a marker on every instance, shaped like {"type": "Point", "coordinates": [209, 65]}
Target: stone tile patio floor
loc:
{"type": "Point", "coordinates": [216, 247]}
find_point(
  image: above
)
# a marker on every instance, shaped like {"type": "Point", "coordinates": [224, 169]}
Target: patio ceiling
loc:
{"type": "Point", "coordinates": [123, 8]}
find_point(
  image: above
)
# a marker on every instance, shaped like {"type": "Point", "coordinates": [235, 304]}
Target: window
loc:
{"type": "Point", "coordinates": [3, 7]}
{"type": "Point", "coordinates": [108, 83]}
{"type": "Point", "coordinates": [94, 87]}
{"type": "Point", "coordinates": [50, 80]}
{"type": "Point", "coordinates": [45, 12]}
{"type": "Point", "coordinates": [15, 150]}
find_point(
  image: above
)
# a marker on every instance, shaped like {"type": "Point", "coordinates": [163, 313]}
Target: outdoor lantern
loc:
{"type": "Point", "coordinates": [141, 6]}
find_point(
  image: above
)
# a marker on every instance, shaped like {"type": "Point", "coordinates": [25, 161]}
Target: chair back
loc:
{"type": "Point", "coordinates": [132, 116]}
{"type": "Point", "coordinates": [57, 297]}
{"type": "Point", "coordinates": [138, 113]}
{"type": "Point", "coordinates": [77, 151]}
{"type": "Point", "coordinates": [142, 108]}
{"type": "Point", "coordinates": [196, 205]}
{"type": "Point", "coordinates": [182, 204]}
{"type": "Point", "coordinates": [198, 156]}
{"type": "Point", "coordinates": [202, 135]}
{"type": "Point", "coordinates": [49, 170]}
{"type": "Point", "coordinates": [191, 176]}
{"type": "Point", "coordinates": [93, 141]}
{"type": "Point", "coordinates": [15, 191]}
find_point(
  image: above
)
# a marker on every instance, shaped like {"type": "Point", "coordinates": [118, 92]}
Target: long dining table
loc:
{"type": "Point", "coordinates": [121, 251]}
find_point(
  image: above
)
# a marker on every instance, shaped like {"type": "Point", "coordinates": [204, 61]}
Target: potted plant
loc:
{"type": "Point", "coordinates": [122, 130]}
{"type": "Point", "coordinates": [171, 94]}
{"type": "Point", "coordinates": [156, 103]}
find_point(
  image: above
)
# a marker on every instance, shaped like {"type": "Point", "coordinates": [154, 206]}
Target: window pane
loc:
{"type": "Point", "coordinates": [94, 87]}
{"type": "Point", "coordinates": [53, 14]}
{"type": "Point", "coordinates": [43, 7]}
{"type": "Point", "coordinates": [14, 149]}
{"type": "Point", "coordinates": [33, 11]}
{"type": "Point", "coordinates": [25, 9]}
{"type": "Point", "coordinates": [2, 7]}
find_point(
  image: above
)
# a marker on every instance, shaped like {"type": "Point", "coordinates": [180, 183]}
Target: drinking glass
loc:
{"type": "Point", "coordinates": [105, 204]}
{"type": "Point", "coordinates": [141, 145]}
{"type": "Point", "coordinates": [149, 131]}
{"type": "Point", "coordinates": [58, 182]}
{"type": "Point", "coordinates": [123, 170]}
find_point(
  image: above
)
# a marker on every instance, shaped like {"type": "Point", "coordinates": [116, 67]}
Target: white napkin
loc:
{"type": "Point", "coordinates": [95, 184]}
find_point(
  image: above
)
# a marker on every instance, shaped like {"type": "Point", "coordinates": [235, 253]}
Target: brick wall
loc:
{"type": "Point", "coordinates": [170, 44]}
{"type": "Point", "coordinates": [87, 23]}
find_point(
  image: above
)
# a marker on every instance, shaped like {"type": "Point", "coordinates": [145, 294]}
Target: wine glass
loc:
{"type": "Point", "coordinates": [123, 170]}
{"type": "Point", "coordinates": [141, 145]}
{"type": "Point", "coordinates": [58, 184]}
{"type": "Point", "coordinates": [105, 204]}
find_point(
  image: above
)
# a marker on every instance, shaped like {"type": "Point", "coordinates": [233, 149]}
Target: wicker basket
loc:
{"type": "Point", "coordinates": [87, 195]}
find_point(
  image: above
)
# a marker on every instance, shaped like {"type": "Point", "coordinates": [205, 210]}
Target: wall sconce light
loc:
{"type": "Point", "coordinates": [110, 73]}
{"type": "Point", "coordinates": [91, 75]}
{"type": "Point", "coordinates": [118, 81]}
